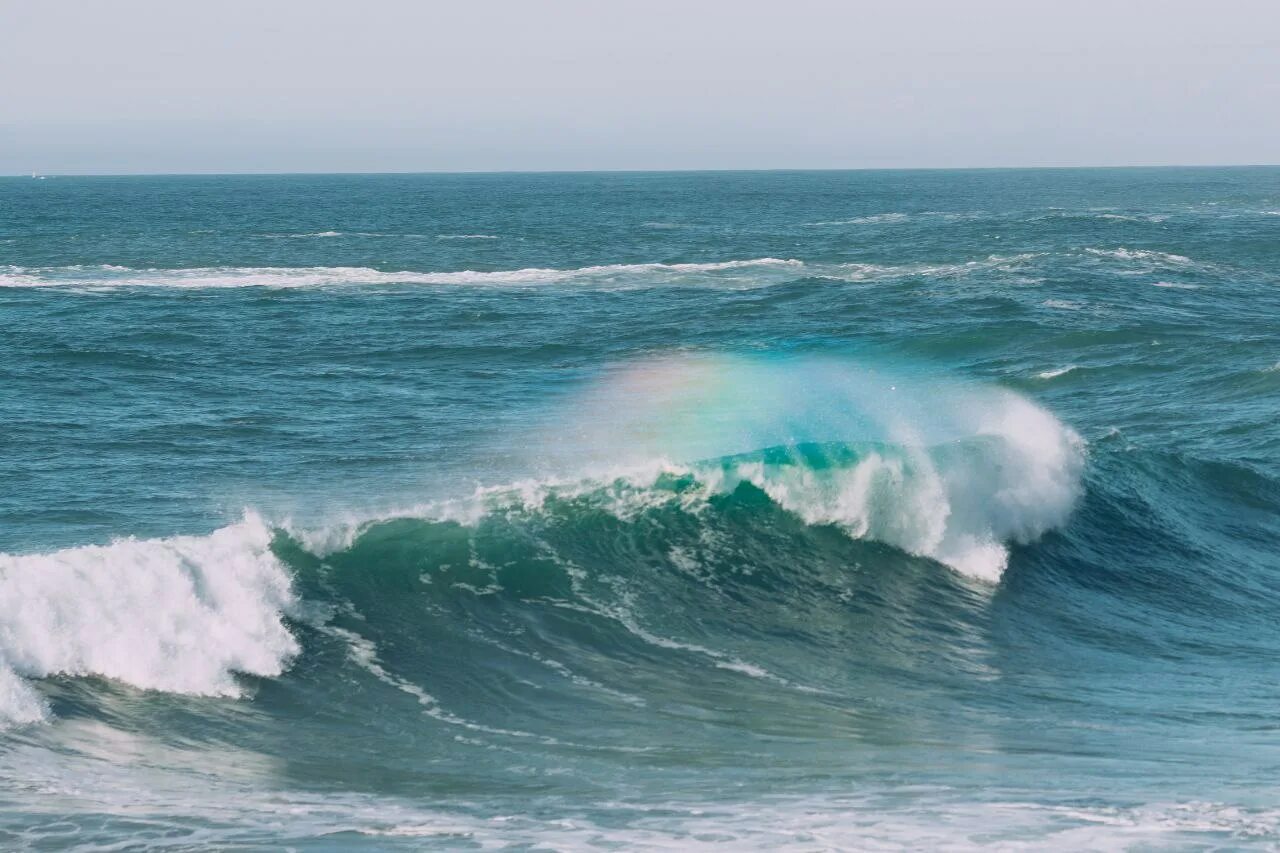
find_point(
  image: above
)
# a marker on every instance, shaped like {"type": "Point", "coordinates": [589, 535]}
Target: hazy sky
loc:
{"type": "Point", "coordinates": [395, 85]}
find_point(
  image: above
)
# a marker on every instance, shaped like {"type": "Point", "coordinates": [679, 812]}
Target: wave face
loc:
{"type": "Point", "coordinates": [761, 511]}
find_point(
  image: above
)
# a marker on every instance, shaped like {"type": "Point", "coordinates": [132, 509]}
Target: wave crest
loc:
{"type": "Point", "coordinates": [179, 615]}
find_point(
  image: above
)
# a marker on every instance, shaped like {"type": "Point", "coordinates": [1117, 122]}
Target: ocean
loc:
{"type": "Point", "coordinates": [756, 510]}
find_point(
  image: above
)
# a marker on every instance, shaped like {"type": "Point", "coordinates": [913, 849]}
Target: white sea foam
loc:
{"type": "Point", "coordinates": [306, 234]}
{"type": "Point", "coordinates": [873, 219]}
{"type": "Point", "coordinates": [874, 272]}
{"type": "Point", "coordinates": [1133, 217]}
{"type": "Point", "coordinates": [1176, 285]}
{"type": "Point", "coordinates": [960, 511]}
{"type": "Point", "coordinates": [1056, 372]}
{"type": "Point", "coordinates": [956, 215]}
{"type": "Point", "coordinates": [179, 615]}
{"type": "Point", "coordinates": [751, 272]}
{"type": "Point", "coordinates": [466, 237]}
{"type": "Point", "coordinates": [1147, 256]}
{"type": "Point", "coordinates": [310, 234]}
{"type": "Point", "coordinates": [296, 277]}
{"type": "Point", "coordinates": [235, 808]}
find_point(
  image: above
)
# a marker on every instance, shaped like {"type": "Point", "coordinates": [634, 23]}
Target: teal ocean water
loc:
{"type": "Point", "coordinates": [847, 510]}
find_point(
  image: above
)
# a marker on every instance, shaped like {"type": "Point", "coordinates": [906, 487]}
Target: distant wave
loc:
{"type": "Point", "coordinates": [1033, 215]}
{"type": "Point", "coordinates": [1105, 214]}
{"type": "Point", "coordinates": [868, 272]}
{"type": "Point", "coordinates": [1056, 372]}
{"type": "Point", "coordinates": [762, 271]}
{"type": "Point", "coordinates": [1124, 217]}
{"type": "Point", "coordinates": [1145, 255]}
{"type": "Point", "coordinates": [750, 272]}
{"type": "Point", "coordinates": [318, 234]}
{"type": "Point", "coordinates": [873, 219]}
{"type": "Point", "coordinates": [896, 217]}
{"type": "Point", "coordinates": [291, 277]}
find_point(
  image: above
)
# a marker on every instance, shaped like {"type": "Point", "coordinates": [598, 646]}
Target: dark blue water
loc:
{"type": "Point", "coordinates": [813, 510]}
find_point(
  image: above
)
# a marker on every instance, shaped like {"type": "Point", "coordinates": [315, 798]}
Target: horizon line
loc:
{"type": "Point", "coordinates": [274, 173]}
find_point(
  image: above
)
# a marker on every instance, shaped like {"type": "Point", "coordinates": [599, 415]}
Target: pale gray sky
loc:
{"type": "Point", "coordinates": [396, 85]}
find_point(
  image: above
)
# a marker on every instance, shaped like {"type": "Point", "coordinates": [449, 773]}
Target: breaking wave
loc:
{"type": "Point", "coordinates": [178, 615]}
{"type": "Point", "coordinates": [676, 452]}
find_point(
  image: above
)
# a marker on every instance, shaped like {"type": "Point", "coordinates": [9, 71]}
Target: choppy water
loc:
{"type": "Point", "coordinates": [769, 510]}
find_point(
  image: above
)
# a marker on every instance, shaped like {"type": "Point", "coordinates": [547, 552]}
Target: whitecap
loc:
{"type": "Point", "coordinates": [1146, 255]}
{"type": "Point", "coordinates": [873, 219]}
{"type": "Point", "coordinates": [295, 277]}
{"type": "Point", "coordinates": [179, 615]}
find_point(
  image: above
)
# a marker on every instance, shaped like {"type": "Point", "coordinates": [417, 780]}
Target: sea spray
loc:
{"type": "Point", "coordinates": [940, 468]}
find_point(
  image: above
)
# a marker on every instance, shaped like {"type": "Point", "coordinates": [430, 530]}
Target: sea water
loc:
{"type": "Point", "coordinates": [779, 510]}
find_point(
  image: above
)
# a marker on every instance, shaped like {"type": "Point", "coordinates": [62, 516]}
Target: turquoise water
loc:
{"type": "Point", "coordinates": [813, 510]}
